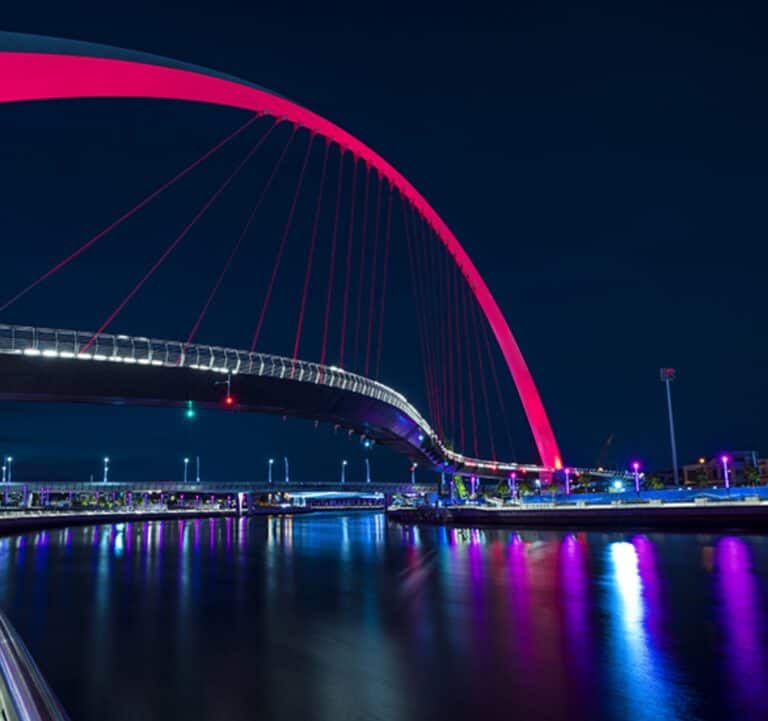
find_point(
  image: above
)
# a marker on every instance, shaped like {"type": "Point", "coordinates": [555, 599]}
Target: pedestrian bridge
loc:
{"type": "Point", "coordinates": [53, 365]}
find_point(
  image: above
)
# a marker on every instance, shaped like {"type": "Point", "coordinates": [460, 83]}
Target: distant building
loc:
{"type": "Point", "coordinates": [710, 471]}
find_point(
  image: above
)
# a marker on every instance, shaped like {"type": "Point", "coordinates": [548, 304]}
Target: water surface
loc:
{"type": "Point", "coordinates": [346, 617]}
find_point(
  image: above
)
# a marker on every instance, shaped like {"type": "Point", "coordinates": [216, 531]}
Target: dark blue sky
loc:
{"type": "Point", "coordinates": [605, 170]}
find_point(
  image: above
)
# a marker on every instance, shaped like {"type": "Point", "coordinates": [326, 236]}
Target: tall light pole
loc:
{"type": "Point", "coordinates": [567, 472]}
{"type": "Point", "coordinates": [106, 468]}
{"type": "Point", "coordinates": [197, 469]}
{"type": "Point", "coordinates": [269, 470]}
{"type": "Point", "coordinates": [287, 475]}
{"type": "Point", "coordinates": [343, 472]}
{"type": "Point", "coordinates": [667, 375]}
{"type": "Point", "coordinates": [636, 471]}
{"type": "Point", "coordinates": [5, 469]}
{"type": "Point", "coordinates": [367, 470]}
{"type": "Point", "coordinates": [414, 466]}
{"type": "Point", "coordinates": [727, 480]}
{"type": "Point", "coordinates": [186, 465]}
{"type": "Point", "coordinates": [9, 461]}
{"type": "Point", "coordinates": [512, 483]}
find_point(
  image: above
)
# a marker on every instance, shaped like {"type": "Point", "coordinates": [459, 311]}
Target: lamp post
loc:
{"type": "Point", "coordinates": [106, 468]}
{"type": "Point", "coordinates": [343, 472]}
{"type": "Point", "coordinates": [269, 470]}
{"type": "Point", "coordinates": [367, 470]}
{"type": "Point", "coordinates": [636, 471]}
{"type": "Point", "coordinates": [197, 469]}
{"type": "Point", "coordinates": [667, 375]}
{"type": "Point", "coordinates": [287, 474]}
{"type": "Point", "coordinates": [414, 466]}
{"type": "Point", "coordinates": [5, 469]}
{"type": "Point", "coordinates": [567, 472]}
{"type": "Point", "coordinates": [9, 461]}
{"type": "Point", "coordinates": [724, 458]}
{"type": "Point", "coordinates": [186, 466]}
{"type": "Point", "coordinates": [512, 483]}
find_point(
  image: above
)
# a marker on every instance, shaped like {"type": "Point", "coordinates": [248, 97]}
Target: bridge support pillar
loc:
{"type": "Point", "coordinates": [244, 502]}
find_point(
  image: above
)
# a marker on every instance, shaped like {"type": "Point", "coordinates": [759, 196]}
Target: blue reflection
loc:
{"type": "Point", "coordinates": [645, 689]}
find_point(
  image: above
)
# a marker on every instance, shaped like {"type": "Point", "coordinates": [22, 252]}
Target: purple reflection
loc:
{"type": "Point", "coordinates": [197, 534]}
{"type": "Point", "coordinates": [575, 584]}
{"type": "Point", "coordinates": [128, 538]}
{"type": "Point", "coordinates": [521, 604]}
{"type": "Point", "coordinates": [741, 620]}
{"type": "Point", "coordinates": [145, 532]}
{"type": "Point", "coordinates": [477, 585]}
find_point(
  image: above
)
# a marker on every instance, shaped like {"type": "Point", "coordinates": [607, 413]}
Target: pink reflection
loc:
{"type": "Point", "coordinates": [745, 656]}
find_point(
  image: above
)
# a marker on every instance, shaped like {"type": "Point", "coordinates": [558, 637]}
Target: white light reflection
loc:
{"type": "Point", "coordinates": [643, 673]}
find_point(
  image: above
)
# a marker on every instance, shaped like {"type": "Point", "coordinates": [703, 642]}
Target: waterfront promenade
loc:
{"type": "Point", "coordinates": [671, 510]}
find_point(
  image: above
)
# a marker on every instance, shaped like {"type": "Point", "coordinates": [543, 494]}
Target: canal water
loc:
{"type": "Point", "coordinates": [347, 617]}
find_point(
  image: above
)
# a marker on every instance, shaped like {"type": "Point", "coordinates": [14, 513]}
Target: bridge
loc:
{"type": "Point", "coordinates": [46, 364]}
{"type": "Point", "coordinates": [457, 315]}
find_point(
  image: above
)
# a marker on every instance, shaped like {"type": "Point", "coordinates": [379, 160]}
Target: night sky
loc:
{"type": "Point", "coordinates": [604, 169]}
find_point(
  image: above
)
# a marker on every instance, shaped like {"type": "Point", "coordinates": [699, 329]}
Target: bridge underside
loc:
{"type": "Point", "coordinates": [76, 381]}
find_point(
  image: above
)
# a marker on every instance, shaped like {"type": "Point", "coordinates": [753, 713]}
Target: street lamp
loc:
{"type": "Point", "coordinates": [367, 470]}
{"type": "Point", "coordinates": [9, 461]}
{"type": "Point", "coordinates": [724, 458]}
{"type": "Point", "coordinates": [186, 465]}
{"type": "Point", "coordinates": [567, 472]}
{"type": "Point", "coordinates": [197, 472]}
{"type": "Point", "coordinates": [343, 472]}
{"type": "Point", "coordinates": [667, 375]}
{"type": "Point", "coordinates": [636, 470]}
{"type": "Point", "coordinates": [269, 466]}
{"type": "Point", "coordinates": [512, 483]}
{"type": "Point", "coordinates": [106, 468]}
{"type": "Point", "coordinates": [5, 469]}
{"type": "Point", "coordinates": [414, 466]}
{"type": "Point", "coordinates": [287, 476]}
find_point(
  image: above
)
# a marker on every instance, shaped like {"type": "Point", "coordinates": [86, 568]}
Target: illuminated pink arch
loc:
{"type": "Point", "coordinates": [77, 70]}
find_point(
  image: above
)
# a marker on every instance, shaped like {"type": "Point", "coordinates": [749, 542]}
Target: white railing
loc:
{"type": "Point", "coordinates": [109, 348]}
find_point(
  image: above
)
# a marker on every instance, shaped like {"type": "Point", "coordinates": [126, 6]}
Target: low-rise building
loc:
{"type": "Point", "coordinates": [745, 468]}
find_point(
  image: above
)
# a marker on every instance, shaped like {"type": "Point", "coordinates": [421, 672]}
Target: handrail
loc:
{"type": "Point", "coordinates": [107, 347]}
{"type": "Point", "coordinates": [24, 693]}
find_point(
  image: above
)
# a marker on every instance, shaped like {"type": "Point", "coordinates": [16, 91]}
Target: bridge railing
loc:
{"type": "Point", "coordinates": [50, 342]}
{"type": "Point", "coordinates": [107, 347]}
{"type": "Point", "coordinates": [24, 693]}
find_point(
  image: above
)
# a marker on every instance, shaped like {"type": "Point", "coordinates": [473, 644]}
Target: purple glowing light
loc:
{"type": "Point", "coordinates": [636, 465]}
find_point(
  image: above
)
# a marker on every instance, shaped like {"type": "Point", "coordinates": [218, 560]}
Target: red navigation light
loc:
{"type": "Point", "coordinates": [229, 400]}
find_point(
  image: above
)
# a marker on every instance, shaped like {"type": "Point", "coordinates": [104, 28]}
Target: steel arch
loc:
{"type": "Point", "coordinates": [37, 68]}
